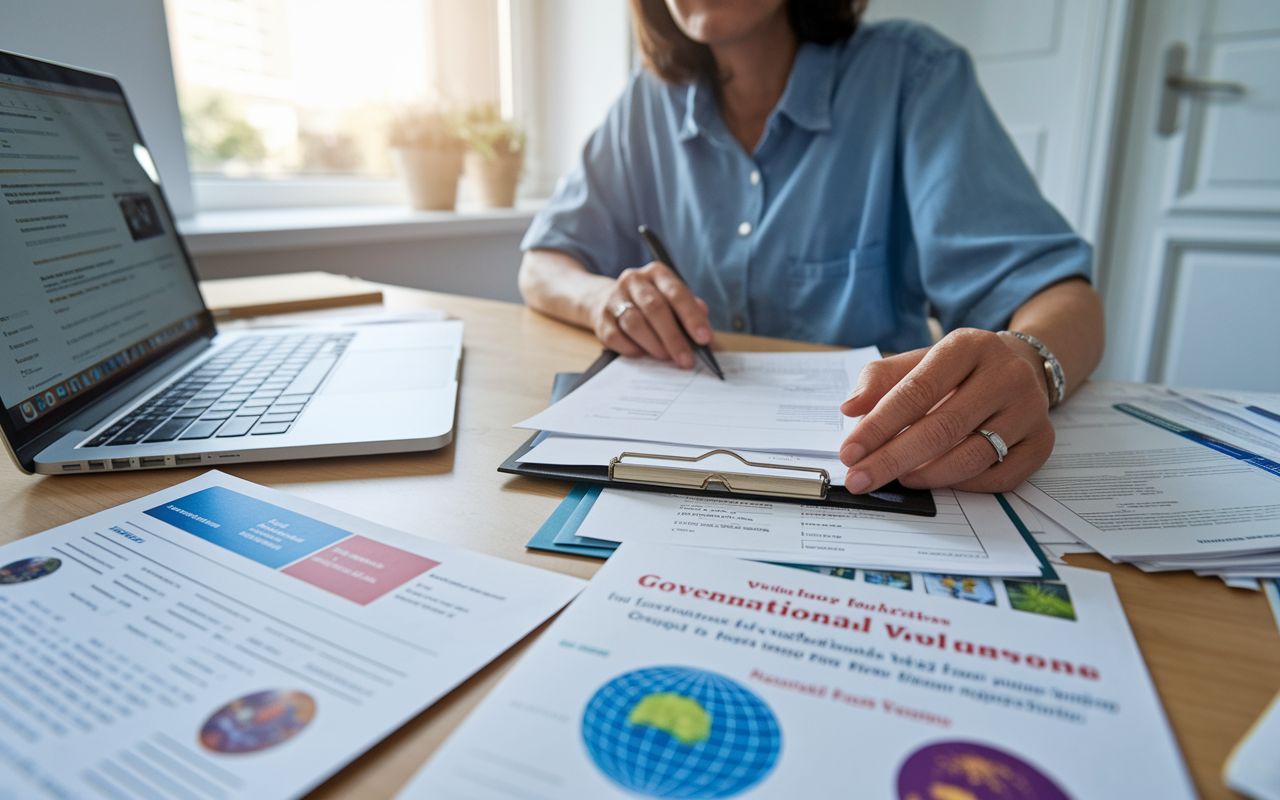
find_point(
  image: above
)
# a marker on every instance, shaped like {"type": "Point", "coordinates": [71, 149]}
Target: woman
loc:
{"type": "Point", "coordinates": [816, 179]}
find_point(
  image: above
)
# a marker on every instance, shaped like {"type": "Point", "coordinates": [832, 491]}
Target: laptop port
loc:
{"type": "Point", "coordinates": [96, 465]}
{"type": "Point", "coordinates": [182, 461]}
{"type": "Point", "coordinates": [121, 463]}
{"type": "Point", "coordinates": [70, 467]}
{"type": "Point", "coordinates": [151, 461]}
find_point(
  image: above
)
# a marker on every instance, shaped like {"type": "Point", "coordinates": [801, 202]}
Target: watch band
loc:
{"type": "Point", "coordinates": [1053, 375]}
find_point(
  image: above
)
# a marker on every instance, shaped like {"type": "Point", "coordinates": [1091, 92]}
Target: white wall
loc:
{"type": "Point", "coordinates": [126, 38]}
{"type": "Point", "coordinates": [578, 64]}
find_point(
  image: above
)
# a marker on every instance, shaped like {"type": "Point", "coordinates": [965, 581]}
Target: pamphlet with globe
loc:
{"type": "Point", "coordinates": [683, 674]}
{"type": "Point", "coordinates": [675, 731]}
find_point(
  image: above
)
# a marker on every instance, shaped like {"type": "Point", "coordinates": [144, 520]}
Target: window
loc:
{"type": "Point", "coordinates": [291, 92]}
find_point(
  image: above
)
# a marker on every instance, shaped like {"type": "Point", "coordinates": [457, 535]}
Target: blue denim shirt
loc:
{"type": "Point", "coordinates": [883, 183]}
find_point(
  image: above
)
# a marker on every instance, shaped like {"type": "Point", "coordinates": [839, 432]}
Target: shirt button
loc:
{"type": "Point", "coordinates": [744, 229]}
{"type": "Point", "coordinates": [755, 177]}
{"type": "Point", "coordinates": [738, 323]}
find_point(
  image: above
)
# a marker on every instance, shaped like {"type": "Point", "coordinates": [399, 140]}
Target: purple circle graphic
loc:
{"type": "Point", "coordinates": [257, 721]}
{"type": "Point", "coordinates": [971, 771]}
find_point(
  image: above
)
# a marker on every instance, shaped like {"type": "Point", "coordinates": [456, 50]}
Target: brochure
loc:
{"type": "Point", "coordinates": [223, 640]}
{"type": "Point", "coordinates": [679, 673]}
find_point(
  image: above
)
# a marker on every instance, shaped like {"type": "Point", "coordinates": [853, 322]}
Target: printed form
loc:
{"type": "Point", "coordinates": [679, 673]}
{"type": "Point", "coordinates": [584, 451]}
{"type": "Point", "coordinates": [1132, 489]}
{"type": "Point", "coordinates": [768, 401]}
{"type": "Point", "coordinates": [971, 532]}
{"type": "Point", "coordinates": [219, 640]}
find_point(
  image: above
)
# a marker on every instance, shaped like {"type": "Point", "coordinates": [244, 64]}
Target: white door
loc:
{"type": "Point", "coordinates": [1192, 282]}
{"type": "Point", "coordinates": [1051, 70]}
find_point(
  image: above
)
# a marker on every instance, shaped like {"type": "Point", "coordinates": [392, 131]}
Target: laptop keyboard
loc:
{"type": "Point", "coordinates": [256, 387]}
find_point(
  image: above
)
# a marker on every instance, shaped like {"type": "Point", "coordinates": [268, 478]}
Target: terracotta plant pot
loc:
{"type": "Point", "coordinates": [432, 175]}
{"type": "Point", "coordinates": [493, 181]}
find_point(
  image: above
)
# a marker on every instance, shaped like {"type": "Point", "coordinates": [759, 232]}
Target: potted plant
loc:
{"type": "Point", "coordinates": [427, 150]}
{"type": "Point", "coordinates": [494, 156]}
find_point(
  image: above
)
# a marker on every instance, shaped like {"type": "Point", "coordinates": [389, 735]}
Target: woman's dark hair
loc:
{"type": "Point", "coordinates": [676, 58]}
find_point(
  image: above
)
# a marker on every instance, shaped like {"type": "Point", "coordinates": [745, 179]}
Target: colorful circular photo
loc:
{"type": "Point", "coordinates": [971, 771]}
{"type": "Point", "coordinates": [257, 721]}
{"type": "Point", "coordinates": [680, 732]}
{"type": "Point", "coordinates": [28, 569]}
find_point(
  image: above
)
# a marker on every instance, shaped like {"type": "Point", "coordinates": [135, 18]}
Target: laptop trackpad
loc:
{"type": "Point", "coordinates": [385, 371]}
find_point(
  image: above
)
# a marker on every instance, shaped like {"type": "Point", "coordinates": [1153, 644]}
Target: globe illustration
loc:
{"type": "Point", "coordinates": [679, 732]}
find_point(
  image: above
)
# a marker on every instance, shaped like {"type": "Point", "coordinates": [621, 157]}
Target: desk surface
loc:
{"type": "Point", "coordinates": [1213, 652]}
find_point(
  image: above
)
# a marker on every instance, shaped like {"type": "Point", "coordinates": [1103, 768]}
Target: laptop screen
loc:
{"type": "Point", "coordinates": [95, 282]}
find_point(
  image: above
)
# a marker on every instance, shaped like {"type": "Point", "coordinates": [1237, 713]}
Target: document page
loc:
{"type": "Point", "coordinates": [971, 532]}
{"type": "Point", "coordinates": [684, 674]}
{"type": "Point", "coordinates": [221, 640]}
{"type": "Point", "coordinates": [1131, 489]}
{"type": "Point", "coordinates": [1252, 768]}
{"type": "Point", "coordinates": [1256, 409]}
{"type": "Point", "coordinates": [585, 451]}
{"type": "Point", "coordinates": [768, 401]}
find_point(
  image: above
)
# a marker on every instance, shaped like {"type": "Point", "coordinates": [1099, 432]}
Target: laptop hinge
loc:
{"type": "Point", "coordinates": [112, 401]}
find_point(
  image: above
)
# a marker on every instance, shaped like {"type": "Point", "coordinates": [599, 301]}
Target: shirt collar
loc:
{"type": "Point", "coordinates": [806, 100]}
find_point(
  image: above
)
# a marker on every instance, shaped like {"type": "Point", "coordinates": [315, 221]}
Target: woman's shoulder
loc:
{"type": "Point", "coordinates": [647, 98]}
{"type": "Point", "coordinates": [908, 44]}
{"type": "Point", "coordinates": [890, 57]}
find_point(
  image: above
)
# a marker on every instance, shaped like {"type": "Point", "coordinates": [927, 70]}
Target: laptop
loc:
{"type": "Point", "coordinates": [109, 359]}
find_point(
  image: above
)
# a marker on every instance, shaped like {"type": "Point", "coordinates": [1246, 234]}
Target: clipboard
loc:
{"type": "Point", "coordinates": [635, 471]}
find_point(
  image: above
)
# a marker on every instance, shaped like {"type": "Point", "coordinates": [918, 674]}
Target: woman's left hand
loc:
{"type": "Point", "coordinates": [923, 410]}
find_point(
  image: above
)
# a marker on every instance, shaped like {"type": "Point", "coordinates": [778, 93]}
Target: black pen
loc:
{"type": "Point", "coordinates": [659, 253]}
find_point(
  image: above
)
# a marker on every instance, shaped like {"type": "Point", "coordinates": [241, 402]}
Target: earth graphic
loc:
{"type": "Point", "coordinates": [680, 732]}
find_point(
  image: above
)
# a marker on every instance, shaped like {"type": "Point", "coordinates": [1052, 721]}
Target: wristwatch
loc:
{"type": "Point", "coordinates": [1052, 369]}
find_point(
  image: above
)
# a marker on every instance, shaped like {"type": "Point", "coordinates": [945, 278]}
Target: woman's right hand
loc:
{"type": "Point", "coordinates": [642, 312]}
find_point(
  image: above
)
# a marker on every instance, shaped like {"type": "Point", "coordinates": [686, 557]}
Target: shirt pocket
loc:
{"type": "Point", "coordinates": [843, 301]}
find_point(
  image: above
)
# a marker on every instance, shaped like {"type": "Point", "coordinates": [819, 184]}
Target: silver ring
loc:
{"type": "Point", "coordinates": [622, 308]}
{"type": "Point", "coordinates": [1002, 449]}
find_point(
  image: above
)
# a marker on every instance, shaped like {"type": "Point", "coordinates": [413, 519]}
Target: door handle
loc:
{"type": "Point", "coordinates": [1196, 86]}
{"type": "Point", "coordinates": [1176, 84]}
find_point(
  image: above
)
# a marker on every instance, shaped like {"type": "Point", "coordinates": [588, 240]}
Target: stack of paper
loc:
{"type": "Point", "coordinates": [781, 402]}
{"type": "Point", "coordinates": [972, 534]}
{"type": "Point", "coordinates": [1167, 479]}
{"type": "Point", "coordinates": [775, 409]}
{"type": "Point", "coordinates": [680, 673]}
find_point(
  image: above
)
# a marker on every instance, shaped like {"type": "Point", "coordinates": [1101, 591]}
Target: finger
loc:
{"type": "Point", "coordinates": [929, 437]}
{"type": "Point", "coordinates": [940, 371]}
{"type": "Point", "coordinates": [1022, 461]}
{"type": "Point", "coordinates": [658, 314]}
{"type": "Point", "coordinates": [691, 311]}
{"type": "Point", "coordinates": [973, 455]}
{"type": "Point", "coordinates": [613, 337]}
{"type": "Point", "coordinates": [633, 324]}
{"type": "Point", "coordinates": [877, 378]}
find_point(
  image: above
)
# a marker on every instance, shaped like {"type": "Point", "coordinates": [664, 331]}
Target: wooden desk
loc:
{"type": "Point", "coordinates": [1213, 652]}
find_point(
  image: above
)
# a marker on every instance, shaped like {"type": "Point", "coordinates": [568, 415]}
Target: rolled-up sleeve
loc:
{"type": "Point", "coordinates": [985, 238]}
{"type": "Point", "coordinates": [592, 215]}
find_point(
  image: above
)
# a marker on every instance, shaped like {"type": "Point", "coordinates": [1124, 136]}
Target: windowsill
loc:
{"type": "Point", "coordinates": [218, 232]}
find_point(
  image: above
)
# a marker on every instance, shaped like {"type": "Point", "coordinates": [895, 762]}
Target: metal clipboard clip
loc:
{"type": "Point", "coordinates": [814, 487]}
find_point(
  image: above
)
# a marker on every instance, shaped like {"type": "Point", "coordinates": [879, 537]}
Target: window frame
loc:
{"type": "Point", "coordinates": [216, 193]}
